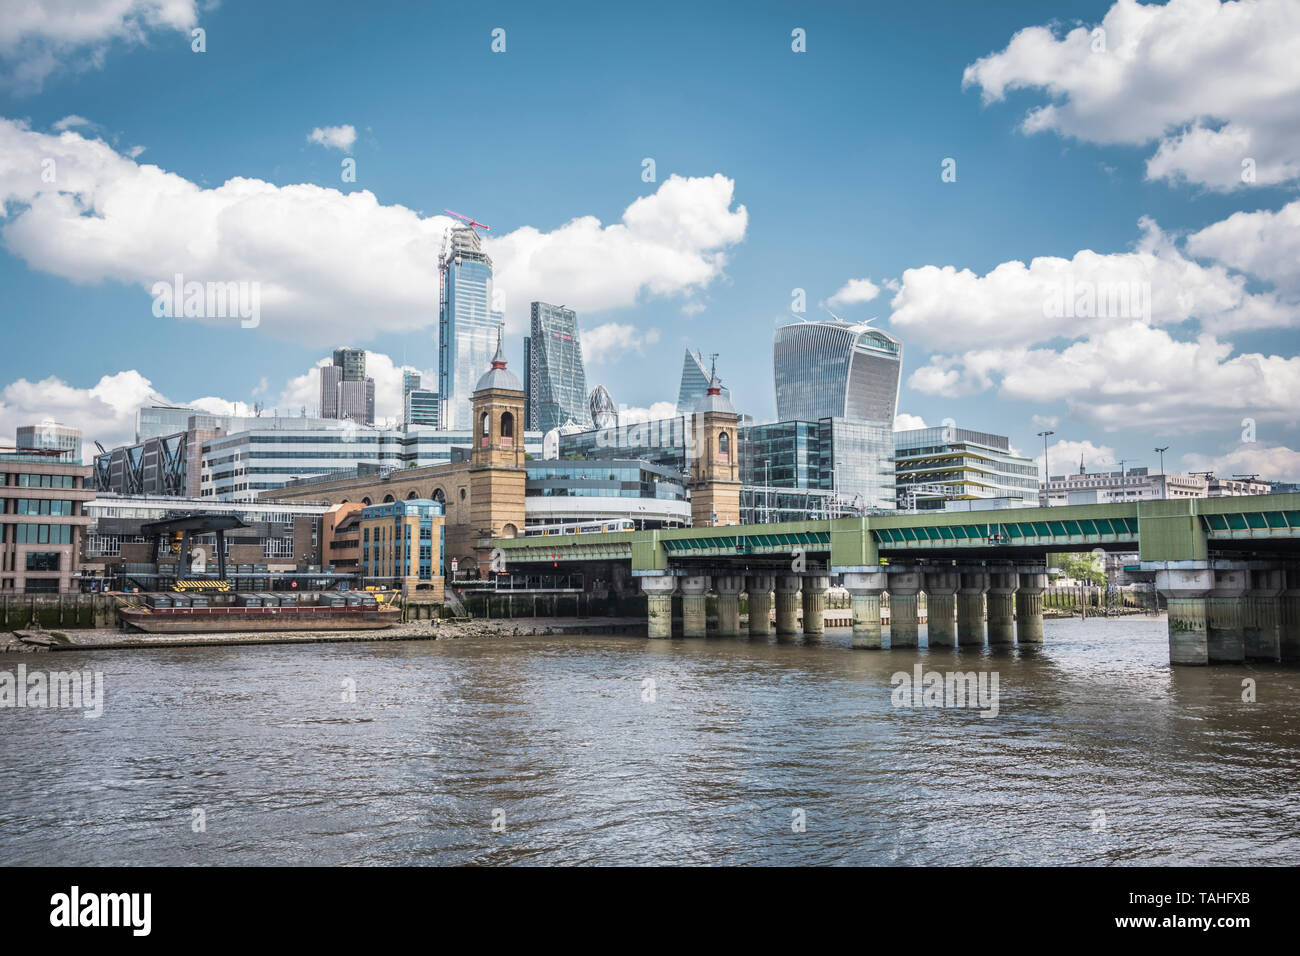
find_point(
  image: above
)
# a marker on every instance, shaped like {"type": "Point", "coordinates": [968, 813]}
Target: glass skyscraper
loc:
{"type": "Point", "coordinates": [467, 326]}
{"type": "Point", "coordinates": [694, 383]}
{"type": "Point", "coordinates": [555, 381]}
{"type": "Point", "coordinates": [835, 369]}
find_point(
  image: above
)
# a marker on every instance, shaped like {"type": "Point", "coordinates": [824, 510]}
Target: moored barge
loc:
{"type": "Point", "coordinates": [325, 611]}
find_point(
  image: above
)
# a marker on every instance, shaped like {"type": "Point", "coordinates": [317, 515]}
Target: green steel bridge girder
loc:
{"type": "Point", "coordinates": [1177, 530]}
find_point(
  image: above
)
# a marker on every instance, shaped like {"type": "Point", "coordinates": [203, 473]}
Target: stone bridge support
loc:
{"type": "Point", "coordinates": [1263, 615]}
{"type": "Point", "coordinates": [1029, 607]}
{"type": "Point", "coordinates": [904, 628]}
{"type": "Point", "coordinates": [1289, 637]}
{"type": "Point", "coordinates": [728, 587]}
{"type": "Point", "coordinates": [1001, 600]}
{"type": "Point", "coordinates": [1185, 591]}
{"type": "Point", "coordinates": [787, 604]}
{"type": "Point", "coordinates": [695, 590]}
{"type": "Point", "coordinates": [1225, 628]}
{"type": "Point", "coordinates": [865, 589]}
{"type": "Point", "coordinates": [814, 603]}
{"type": "Point", "coordinates": [658, 591]}
{"type": "Point", "coordinates": [759, 589]}
{"type": "Point", "coordinates": [970, 609]}
{"type": "Point", "coordinates": [941, 607]}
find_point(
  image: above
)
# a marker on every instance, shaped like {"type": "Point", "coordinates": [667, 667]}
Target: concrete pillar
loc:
{"type": "Point", "coordinates": [759, 589]}
{"type": "Point", "coordinates": [1289, 636]}
{"type": "Point", "coordinates": [659, 604]}
{"type": "Point", "coordinates": [787, 604]}
{"type": "Point", "coordinates": [728, 588]}
{"type": "Point", "coordinates": [970, 609]}
{"type": "Point", "coordinates": [1225, 618]}
{"type": "Point", "coordinates": [865, 589]}
{"type": "Point", "coordinates": [814, 603]}
{"type": "Point", "coordinates": [904, 630]}
{"type": "Point", "coordinates": [941, 604]}
{"type": "Point", "coordinates": [1029, 607]}
{"type": "Point", "coordinates": [695, 591]}
{"type": "Point", "coordinates": [1001, 601]}
{"type": "Point", "coordinates": [1263, 615]}
{"type": "Point", "coordinates": [1184, 590]}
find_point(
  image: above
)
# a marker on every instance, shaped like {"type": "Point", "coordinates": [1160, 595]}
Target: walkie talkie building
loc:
{"type": "Point", "coordinates": [835, 369]}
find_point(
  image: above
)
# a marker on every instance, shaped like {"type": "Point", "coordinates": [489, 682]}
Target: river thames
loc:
{"type": "Point", "coordinates": [566, 750]}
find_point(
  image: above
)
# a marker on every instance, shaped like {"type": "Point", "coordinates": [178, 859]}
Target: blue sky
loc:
{"type": "Point", "coordinates": [835, 154]}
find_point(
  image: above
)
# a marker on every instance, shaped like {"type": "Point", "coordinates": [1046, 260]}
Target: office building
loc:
{"type": "Point", "coordinates": [555, 382]}
{"type": "Point", "coordinates": [51, 437]}
{"type": "Point", "coordinates": [1129, 484]}
{"type": "Point", "coordinates": [563, 494]}
{"type": "Point", "coordinates": [835, 369]}
{"type": "Point", "coordinates": [419, 405]}
{"type": "Point", "coordinates": [42, 523]}
{"type": "Point", "coordinates": [694, 384]}
{"type": "Point", "coordinates": [945, 468]}
{"type": "Point", "coordinates": [403, 544]}
{"type": "Point", "coordinates": [467, 324]}
{"type": "Point", "coordinates": [604, 413]}
{"type": "Point", "coordinates": [345, 392]}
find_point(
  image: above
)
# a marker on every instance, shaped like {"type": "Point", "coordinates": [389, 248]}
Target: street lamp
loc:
{"type": "Point", "coordinates": [1047, 491]}
{"type": "Point", "coordinates": [1164, 490]}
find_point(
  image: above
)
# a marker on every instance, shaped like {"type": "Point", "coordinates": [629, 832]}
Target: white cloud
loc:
{"type": "Point", "coordinates": [303, 391]}
{"type": "Point", "coordinates": [37, 38]}
{"type": "Point", "coordinates": [630, 414]}
{"type": "Point", "coordinates": [69, 122]}
{"type": "Point", "coordinates": [904, 422]}
{"type": "Point", "coordinates": [613, 341]}
{"type": "Point", "coordinates": [1134, 376]}
{"type": "Point", "coordinates": [1214, 83]}
{"type": "Point", "coordinates": [334, 137]}
{"type": "Point", "coordinates": [953, 308]}
{"type": "Point", "coordinates": [1063, 457]}
{"type": "Point", "coordinates": [1264, 244]}
{"type": "Point", "coordinates": [325, 259]}
{"type": "Point", "coordinates": [853, 292]}
{"type": "Point", "coordinates": [1270, 462]}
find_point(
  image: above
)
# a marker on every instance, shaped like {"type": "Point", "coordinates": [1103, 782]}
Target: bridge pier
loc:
{"type": "Point", "coordinates": [970, 609]}
{"type": "Point", "coordinates": [1001, 600]}
{"type": "Point", "coordinates": [904, 628]}
{"type": "Point", "coordinates": [759, 589]}
{"type": "Point", "coordinates": [658, 591]}
{"type": "Point", "coordinates": [1289, 638]}
{"type": "Point", "coordinates": [814, 603]}
{"type": "Point", "coordinates": [787, 605]}
{"type": "Point", "coordinates": [1184, 591]}
{"type": "Point", "coordinates": [1225, 631]}
{"type": "Point", "coordinates": [1263, 617]}
{"type": "Point", "coordinates": [695, 591]}
{"type": "Point", "coordinates": [941, 606]}
{"type": "Point", "coordinates": [865, 589]}
{"type": "Point", "coordinates": [728, 588]}
{"type": "Point", "coordinates": [1029, 607]}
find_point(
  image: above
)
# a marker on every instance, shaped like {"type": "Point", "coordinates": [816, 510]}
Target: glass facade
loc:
{"type": "Point", "coordinates": [694, 383]}
{"type": "Point", "coordinates": [604, 479]}
{"type": "Point", "coordinates": [467, 326]}
{"type": "Point", "coordinates": [854, 460]}
{"type": "Point", "coordinates": [937, 465]}
{"type": "Point", "coordinates": [836, 370]}
{"type": "Point", "coordinates": [555, 380]}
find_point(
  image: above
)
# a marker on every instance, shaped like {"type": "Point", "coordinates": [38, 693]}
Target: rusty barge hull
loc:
{"type": "Point", "coordinates": [235, 619]}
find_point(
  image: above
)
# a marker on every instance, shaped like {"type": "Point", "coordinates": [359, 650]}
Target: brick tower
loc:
{"type": "Point", "coordinates": [715, 475]}
{"type": "Point", "coordinates": [497, 471]}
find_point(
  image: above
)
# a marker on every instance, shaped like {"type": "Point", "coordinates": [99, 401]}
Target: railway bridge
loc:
{"type": "Point", "coordinates": [1229, 569]}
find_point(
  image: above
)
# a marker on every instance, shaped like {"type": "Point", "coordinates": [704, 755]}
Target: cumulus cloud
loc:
{"type": "Point", "coordinates": [1213, 83]}
{"type": "Point", "coordinates": [1264, 244]}
{"type": "Point", "coordinates": [630, 414]}
{"type": "Point", "coordinates": [904, 422]}
{"type": "Point", "coordinates": [336, 264]}
{"type": "Point", "coordinates": [1091, 292]}
{"type": "Point", "coordinates": [853, 292]}
{"type": "Point", "coordinates": [334, 137]}
{"type": "Point", "coordinates": [38, 38]}
{"type": "Point", "coordinates": [613, 341]}
{"type": "Point", "coordinates": [1063, 457]}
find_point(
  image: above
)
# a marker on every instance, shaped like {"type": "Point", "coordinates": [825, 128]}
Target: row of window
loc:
{"type": "Point", "coordinates": [42, 506]}
{"type": "Point", "coordinates": [42, 534]}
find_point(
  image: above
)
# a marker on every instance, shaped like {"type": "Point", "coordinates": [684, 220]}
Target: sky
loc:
{"type": "Point", "coordinates": [1077, 216]}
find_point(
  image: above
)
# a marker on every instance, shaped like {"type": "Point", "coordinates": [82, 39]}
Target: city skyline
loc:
{"type": "Point", "coordinates": [1004, 309]}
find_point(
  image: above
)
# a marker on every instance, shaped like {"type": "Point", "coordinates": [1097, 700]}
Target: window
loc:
{"type": "Point", "coordinates": [42, 561]}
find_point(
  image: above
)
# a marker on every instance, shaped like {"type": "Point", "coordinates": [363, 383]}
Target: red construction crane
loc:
{"type": "Point", "coordinates": [468, 221]}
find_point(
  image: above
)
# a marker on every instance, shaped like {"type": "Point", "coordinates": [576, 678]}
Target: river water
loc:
{"type": "Point", "coordinates": [624, 750]}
